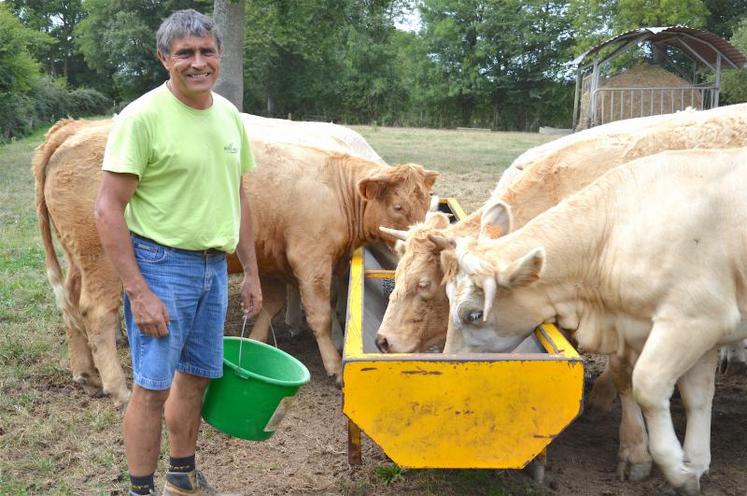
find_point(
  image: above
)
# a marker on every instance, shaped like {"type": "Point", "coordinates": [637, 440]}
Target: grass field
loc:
{"type": "Point", "coordinates": [54, 439]}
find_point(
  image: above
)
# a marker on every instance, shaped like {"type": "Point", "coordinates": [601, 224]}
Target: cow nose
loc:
{"type": "Point", "coordinates": [382, 344]}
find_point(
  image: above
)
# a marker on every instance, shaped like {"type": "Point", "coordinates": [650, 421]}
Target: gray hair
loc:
{"type": "Point", "coordinates": [183, 23]}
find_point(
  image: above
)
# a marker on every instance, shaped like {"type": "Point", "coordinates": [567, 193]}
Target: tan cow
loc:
{"type": "Point", "coordinates": [417, 314]}
{"type": "Point", "coordinates": [652, 257]}
{"type": "Point", "coordinates": [310, 208]}
{"type": "Point", "coordinates": [415, 319]}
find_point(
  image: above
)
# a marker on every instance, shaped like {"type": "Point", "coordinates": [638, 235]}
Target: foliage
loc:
{"type": "Point", "coordinates": [117, 40]}
{"type": "Point", "coordinates": [734, 81]}
{"type": "Point", "coordinates": [498, 64]}
{"type": "Point", "coordinates": [47, 101]}
{"type": "Point", "coordinates": [390, 473]}
{"type": "Point", "coordinates": [20, 69]}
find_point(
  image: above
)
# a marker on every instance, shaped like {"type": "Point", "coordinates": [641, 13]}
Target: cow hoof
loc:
{"type": "Point", "coordinates": [639, 471]}
{"type": "Point", "coordinates": [688, 483]}
{"type": "Point", "coordinates": [121, 400]}
{"type": "Point", "coordinates": [635, 472]}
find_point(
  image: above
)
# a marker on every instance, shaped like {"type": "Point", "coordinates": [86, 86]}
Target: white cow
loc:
{"type": "Point", "coordinates": [651, 258]}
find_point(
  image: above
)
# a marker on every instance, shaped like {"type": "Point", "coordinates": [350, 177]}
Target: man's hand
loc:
{"type": "Point", "coordinates": [251, 295]}
{"type": "Point", "coordinates": [150, 313]}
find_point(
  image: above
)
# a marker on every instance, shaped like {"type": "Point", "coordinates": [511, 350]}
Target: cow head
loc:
{"type": "Point", "coordinates": [415, 318]}
{"type": "Point", "coordinates": [395, 197]}
{"type": "Point", "coordinates": [417, 315]}
{"type": "Point", "coordinates": [494, 301]}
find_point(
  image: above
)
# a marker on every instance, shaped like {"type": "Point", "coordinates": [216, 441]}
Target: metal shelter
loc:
{"type": "Point", "coordinates": [605, 104]}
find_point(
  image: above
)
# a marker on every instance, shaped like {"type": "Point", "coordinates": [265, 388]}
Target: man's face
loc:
{"type": "Point", "coordinates": [193, 66]}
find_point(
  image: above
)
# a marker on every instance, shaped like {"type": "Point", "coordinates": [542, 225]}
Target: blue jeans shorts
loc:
{"type": "Point", "coordinates": [194, 288]}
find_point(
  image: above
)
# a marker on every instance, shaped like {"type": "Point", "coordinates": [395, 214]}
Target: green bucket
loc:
{"type": "Point", "coordinates": [252, 397]}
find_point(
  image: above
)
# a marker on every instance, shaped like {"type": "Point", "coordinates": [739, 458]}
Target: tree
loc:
{"type": "Point", "coordinates": [734, 81]}
{"type": "Point", "coordinates": [117, 40]}
{"type": "Point", "coordinates": [229, 17]}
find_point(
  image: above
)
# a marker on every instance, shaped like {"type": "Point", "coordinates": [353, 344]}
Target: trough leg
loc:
{"type": "Point", "coordinates": [354, 444]}
{"type": "Point", "coordinates": [537, 467]}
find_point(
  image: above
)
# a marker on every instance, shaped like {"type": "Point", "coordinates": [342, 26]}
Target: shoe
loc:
{"type": "Point", "coordinates": [187, 484]}
{"type": "Point", "coordinates": [132, 493]}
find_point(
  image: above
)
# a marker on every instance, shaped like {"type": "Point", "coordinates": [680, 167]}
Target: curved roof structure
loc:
{"type": "Point", "coordinates": [698, 44]}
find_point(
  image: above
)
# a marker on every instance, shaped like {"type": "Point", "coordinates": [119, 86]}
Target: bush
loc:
{"type": "Point", "coordinates": [84, 102]}
{"type": "Point", "coordinates": [46, 102]}
{"type": "Point", "coordinates": [16, 116]}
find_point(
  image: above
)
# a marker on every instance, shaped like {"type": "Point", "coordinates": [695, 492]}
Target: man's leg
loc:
{"type": "Point", "coordinates": [142, 430]}
{"type": "Point", "coordinates": [183, 413]}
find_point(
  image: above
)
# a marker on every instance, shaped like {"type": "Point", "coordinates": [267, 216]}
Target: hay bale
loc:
{"type": "Point", "coordinates": [639, 102]}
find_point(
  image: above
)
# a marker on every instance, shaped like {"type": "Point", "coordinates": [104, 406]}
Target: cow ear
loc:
{"type": "Point", "coordinates": [449, 265]}
{"type": "Point", "coordinates": [371, 187]}
{"type": "Point", "coordinates": [436, 220]}
{"type": "Point", "coordinates": [442, 242]}
{"type": "Point", "coordinates": [523, 271]}
{"type": "Point", "coordinates": [496, 220]}
{"type": "Point", "coordinates": [429, 179]}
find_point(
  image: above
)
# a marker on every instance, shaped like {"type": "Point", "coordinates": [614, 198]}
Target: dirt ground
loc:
{"type": "Point", "coordinates": [307, 456]}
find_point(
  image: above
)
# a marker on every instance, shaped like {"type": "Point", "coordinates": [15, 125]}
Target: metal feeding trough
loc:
{"type": "Point", "coordinates": [431, 410]}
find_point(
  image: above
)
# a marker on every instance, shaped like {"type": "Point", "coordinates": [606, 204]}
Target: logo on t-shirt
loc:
{"type": "Point", "coordinates": [230, 148]}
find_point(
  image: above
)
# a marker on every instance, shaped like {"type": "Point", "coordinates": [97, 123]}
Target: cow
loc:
{"type": "Point", "coordinates": [324, 135]}
{"type": "Point", "coordinates": [651, 257]}
{"type": "Point", "coordinates": [313, 206]}
{"type": "Point", "coordinates": [416, 316]}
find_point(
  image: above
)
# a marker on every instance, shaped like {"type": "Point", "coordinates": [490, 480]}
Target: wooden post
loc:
{"type": "Point", "coordinates": [354, 444]}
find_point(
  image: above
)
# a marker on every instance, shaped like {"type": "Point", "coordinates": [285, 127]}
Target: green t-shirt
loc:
{"type": "Point", "coordinates": [189, 164]}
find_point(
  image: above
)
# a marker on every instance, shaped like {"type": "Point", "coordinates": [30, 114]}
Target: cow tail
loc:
{"type": "Point", "coordinates": [56, 135]}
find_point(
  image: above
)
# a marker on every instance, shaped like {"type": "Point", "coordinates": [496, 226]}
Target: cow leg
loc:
{"type": "Point", "coordinates": [633, 457]}
{"type": "Point", "coordinates": [102, 323]}
{"type": "Point", "coordinates": [664, 359]}
{"type": "Point", "coordinates": [81, 359]}
{"type": "Point", "coordinates": [293, 313]}
{"type": "Point", "coordinates": [696, 388]}
{"type": "Point", "coordinates": [273, 297]}
{"type": "Point", "coordinates": [603, 392]}
{"type": "Point", "coordinates": [339, 303]}
{"type": "Point", "coordinates": [315, 295]}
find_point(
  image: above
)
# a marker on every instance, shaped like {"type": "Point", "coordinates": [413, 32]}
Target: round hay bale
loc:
{"type": "Point", "coordinates": [641, 100]}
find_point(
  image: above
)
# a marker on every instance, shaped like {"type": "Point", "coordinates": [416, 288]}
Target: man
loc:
{"type": "Point", "coordinates": [169, 207]}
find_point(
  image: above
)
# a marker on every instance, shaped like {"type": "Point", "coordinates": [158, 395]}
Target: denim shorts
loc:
{"type": "Point", "coordinates": [194, 288]}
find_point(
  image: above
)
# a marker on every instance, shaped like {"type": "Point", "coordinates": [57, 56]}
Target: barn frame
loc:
{"type": "Point", "coordinates": [706, 50]}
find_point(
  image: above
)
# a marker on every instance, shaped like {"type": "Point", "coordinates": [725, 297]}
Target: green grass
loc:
{"type": "Point", "coordinates": [450, 151]}
{"type": "Point", "coordinates": [56, 440]}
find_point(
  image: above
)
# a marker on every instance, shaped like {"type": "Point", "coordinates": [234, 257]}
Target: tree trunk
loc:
{"type": "Point", "coordinates": [229, 16]}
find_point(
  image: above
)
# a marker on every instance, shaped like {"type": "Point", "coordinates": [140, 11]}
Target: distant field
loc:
{"type": "Point", "coordinates": [56, 440]}
{"type": "Point", "coordinates": [471, 162]}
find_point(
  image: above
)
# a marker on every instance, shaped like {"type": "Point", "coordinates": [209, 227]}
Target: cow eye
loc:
{"type": "Point", "coordinates": [474, 316]}
{"type": "Point", "coordinates": [397, 207]}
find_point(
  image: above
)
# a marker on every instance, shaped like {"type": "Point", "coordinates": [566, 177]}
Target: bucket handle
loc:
{"type": "Point", "coordinates": [239, 371]}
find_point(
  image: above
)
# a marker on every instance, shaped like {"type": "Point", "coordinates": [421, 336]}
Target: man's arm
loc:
{"type": "Point", "coordinates": [251, 291]}
{"type": "Point", "coordinates": [115, 192]}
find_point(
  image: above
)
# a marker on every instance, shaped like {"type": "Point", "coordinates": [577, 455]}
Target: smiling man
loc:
{"type": "Point", "coordinates": [170, 206]}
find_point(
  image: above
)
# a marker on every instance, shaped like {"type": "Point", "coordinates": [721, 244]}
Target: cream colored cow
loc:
{"type": "Point", "coordinates": [651, 258]}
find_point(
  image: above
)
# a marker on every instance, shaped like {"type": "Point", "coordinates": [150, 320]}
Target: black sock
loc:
{"type": "Point", "coordinates": [142, 485]}
{"type": "Point", "coordinates": [184, 464]}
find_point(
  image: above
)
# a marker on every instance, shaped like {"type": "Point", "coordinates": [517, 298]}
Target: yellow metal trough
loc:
{"type": "Point", "coordinates": [431, 410]}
